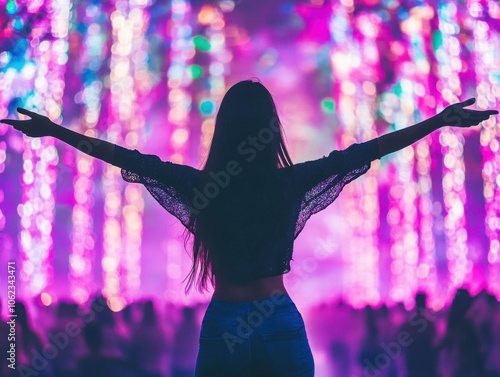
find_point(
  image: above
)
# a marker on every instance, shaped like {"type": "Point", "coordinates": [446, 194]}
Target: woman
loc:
{"type": "Point", "coordinates": [244, 209]}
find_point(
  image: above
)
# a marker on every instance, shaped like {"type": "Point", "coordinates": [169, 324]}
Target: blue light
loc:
{"type": "Point", "coordinates": [207, 107]}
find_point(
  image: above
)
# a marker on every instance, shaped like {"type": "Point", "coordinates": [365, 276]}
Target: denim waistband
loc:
{"type": "Point", "coordinates": [280, 301]}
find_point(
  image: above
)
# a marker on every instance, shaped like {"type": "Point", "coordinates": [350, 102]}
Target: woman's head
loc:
{"type": "Point", "coordinates": [249, 136]}
{"type": "Point", "coordinates": [248, 130]}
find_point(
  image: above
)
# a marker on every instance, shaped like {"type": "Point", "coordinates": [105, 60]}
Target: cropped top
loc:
{"type": "Point", "coordinates": [313, 185]}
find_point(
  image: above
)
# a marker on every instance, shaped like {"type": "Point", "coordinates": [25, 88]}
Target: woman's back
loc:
{"type": "Point", "coordinates": [246, 230]}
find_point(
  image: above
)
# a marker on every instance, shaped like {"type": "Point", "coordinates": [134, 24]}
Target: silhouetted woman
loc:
{"type": "Point", "coordinates": [244, 209]}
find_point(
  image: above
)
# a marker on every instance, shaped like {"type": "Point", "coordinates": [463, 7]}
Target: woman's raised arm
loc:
{"type": "Point", "coordinates": [454, 115]}
{"type": "Point", "coordinates": [40, 125]}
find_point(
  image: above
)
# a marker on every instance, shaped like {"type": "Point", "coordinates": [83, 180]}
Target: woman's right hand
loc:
{"type": "Point", "coordinates": [37, 126]}
{"type": "Point", "coordinates": [457, 116]}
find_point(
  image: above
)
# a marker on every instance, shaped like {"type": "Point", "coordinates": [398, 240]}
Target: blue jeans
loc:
{"type": "Point", "coordinates": [259, 338]}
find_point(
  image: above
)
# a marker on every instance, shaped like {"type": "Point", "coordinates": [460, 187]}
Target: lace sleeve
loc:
{"type": "Point", "coordinates": [318, 183]}
{"type": "Point", "coordinates": [170, 184]}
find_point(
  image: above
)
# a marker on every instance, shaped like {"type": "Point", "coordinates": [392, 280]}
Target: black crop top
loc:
{"type": "Point", "coordinates": [313, 185]}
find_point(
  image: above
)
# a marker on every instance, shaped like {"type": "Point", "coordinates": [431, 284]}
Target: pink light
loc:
{"type": "Point", "coordinates": [41, 158]}
{"type": "Point", "coordinates": [180, 101]}
{"type": "Point", "coordinates": [130, 83]}
{"type": "Point", "coordinates": [361, 198]}
{"type": "Point", "coordinates": [451, 140]}
{"type": "Point", "coordinates": [486, 41]}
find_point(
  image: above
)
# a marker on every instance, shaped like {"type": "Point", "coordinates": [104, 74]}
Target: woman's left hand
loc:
{"type": "Point", "coordinates": [37, 126]}
{"type": "Point", "coordinates": [457, 116]}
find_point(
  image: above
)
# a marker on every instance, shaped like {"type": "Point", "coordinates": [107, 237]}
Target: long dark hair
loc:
{"type": "Point", "coordinates": [239, 184]}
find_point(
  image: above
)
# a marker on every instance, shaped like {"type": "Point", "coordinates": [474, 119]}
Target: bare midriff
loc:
{"type": "Point", "coordinates": [256, 290]}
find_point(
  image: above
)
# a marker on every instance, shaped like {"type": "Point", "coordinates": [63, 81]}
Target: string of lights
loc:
{"type": "Point", "coordinates": [488, 90]}
{"type": "Point", "coordinates": [213, 18]}
{"type": "Point", "coordinates": [402, 214]}
{"type": "Point", "coordinates": [40, 155]}
{"type": "Point", "coordinates": [354, 103]}
{"type": "Point", "coordinates": [121, 239]}
{"type": "Point", "coordinates": [451, 140]}
{"type": "Point", "coordinates": [411, 225]}
{"type": "Point", "coordinates": [7, 80]}
{"type": "Point", "coordinates": [133, 128]}
{"type": "Point", "coordinates": [82, 255]}
{"type": "Point", "coordinates": [180, 103]}
{"type": "Point", "coordinates": [417, 27]}
{"type": "Point", "coordinates": [369, 25]}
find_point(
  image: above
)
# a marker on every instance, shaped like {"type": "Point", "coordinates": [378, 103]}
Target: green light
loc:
{"type": "Point", "coordinates": [437, 40]}
{"type": "Point", "coordinates": [201, 43]}
{"type": "Point", "coordinates": [11, 7]}
{"type": "Point", "coordinates": [196, 71]}
{"type": "Point", "coordinates": [207, 107]}
{"type": "Point", "coordinates": [328, 106]}
{"type": "Point", "coordinates": [398, 89]}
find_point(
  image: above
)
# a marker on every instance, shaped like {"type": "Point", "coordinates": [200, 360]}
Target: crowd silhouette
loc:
{"type": "Point", "coordinates": [462, 340]}
{"type": "Point", "coordinates": [147, 340]}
